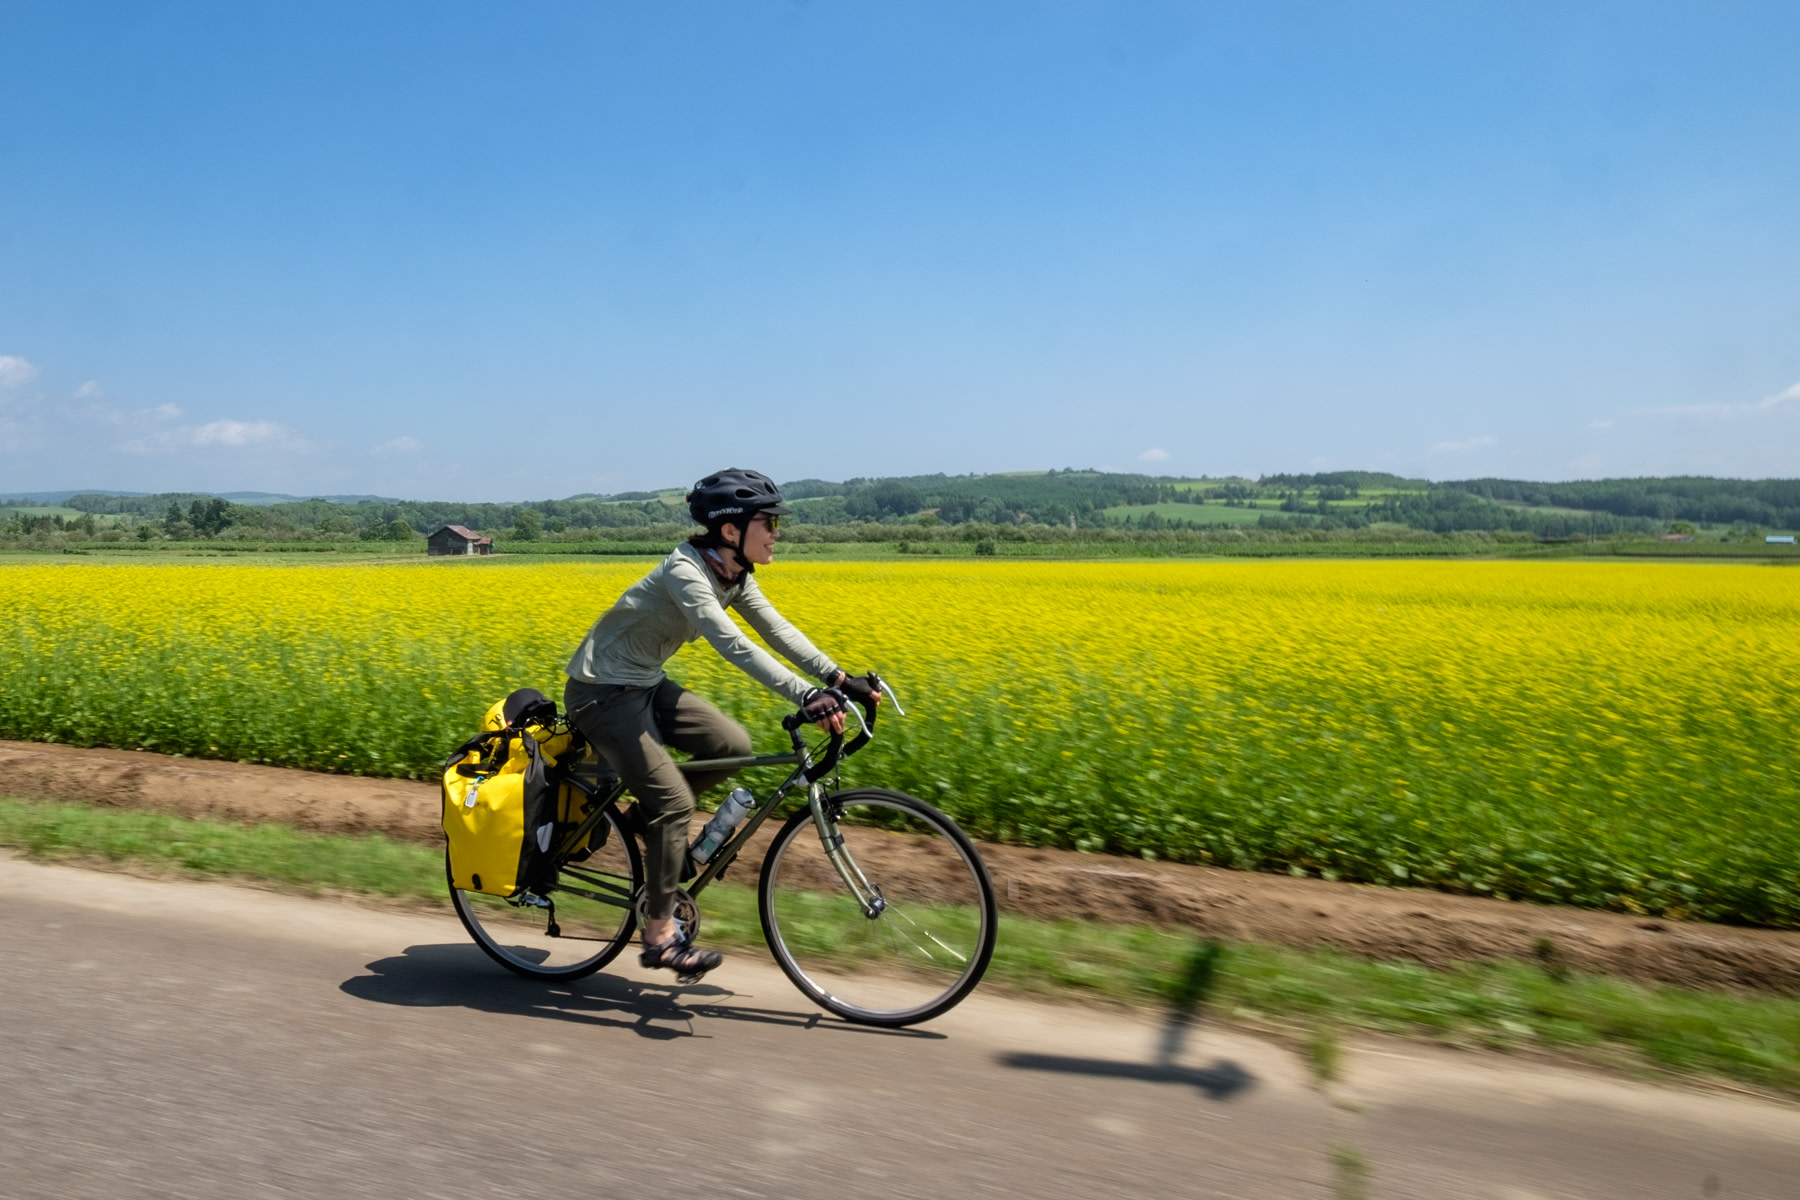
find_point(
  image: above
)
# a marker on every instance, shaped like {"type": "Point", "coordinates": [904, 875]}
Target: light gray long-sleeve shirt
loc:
{"type": "Point", "coordinates": [682, 601]}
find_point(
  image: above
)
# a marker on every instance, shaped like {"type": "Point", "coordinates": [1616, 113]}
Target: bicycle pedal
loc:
{"type": "Point", "coordinates": [685, 980]}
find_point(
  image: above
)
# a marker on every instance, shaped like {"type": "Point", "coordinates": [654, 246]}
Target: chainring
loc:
{"type": "Point", "coordinates": [687, 923]}
{"type": "Point", "coordinates": [687, 914]}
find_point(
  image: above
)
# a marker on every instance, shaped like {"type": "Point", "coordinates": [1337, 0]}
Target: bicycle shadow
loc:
{"type": "Point", "coordinates": [1220, 1081]}
{"type": "Point", "coordinates": [459, 975]}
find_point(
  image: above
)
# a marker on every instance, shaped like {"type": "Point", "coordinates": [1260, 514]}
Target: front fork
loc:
{"type": "Point", "coordinates": [868, 896]}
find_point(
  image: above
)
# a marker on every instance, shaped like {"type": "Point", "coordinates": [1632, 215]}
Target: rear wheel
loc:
{"type": "Point", "coordinates": [590, 921]}
{"type": "Point", "coordinates": [923, 938]}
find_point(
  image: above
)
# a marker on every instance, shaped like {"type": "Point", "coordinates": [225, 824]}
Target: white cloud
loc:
{"type": "Point", "coordinates": [238, 433]}
{"type": "Point", "coordinates": [90, 391]}
{"type": "Point", "coordinates": [1476, 443]}
{"type": "Point", "coordinates": [400, 445]}
{"type": "Point", "coordinates": [1598, 425]}
{"type": "Point", "coordinates": [1154, 456]}
{"type": "Point", "coordinates": [1728, 412]}
{"type": "Point", "coordinates": [228, 434]}
{"type": "Point", "coordinates": [15, 371]}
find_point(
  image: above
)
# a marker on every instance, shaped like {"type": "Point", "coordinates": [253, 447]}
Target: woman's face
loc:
{"type": "Point", "coordinates": [759, 540]}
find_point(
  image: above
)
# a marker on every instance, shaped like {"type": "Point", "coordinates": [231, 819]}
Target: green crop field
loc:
{"type": "Point", "coordinates": [1199, 514]}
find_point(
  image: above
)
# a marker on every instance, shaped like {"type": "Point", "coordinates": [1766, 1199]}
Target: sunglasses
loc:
{"type": "Point", "coordinates": [773, 520]}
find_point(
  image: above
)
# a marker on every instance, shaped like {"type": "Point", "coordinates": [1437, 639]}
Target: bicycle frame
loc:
{"type": "Point", "coordinates": [806, 771]}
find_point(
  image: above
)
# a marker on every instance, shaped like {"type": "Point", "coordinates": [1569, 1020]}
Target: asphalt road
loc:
{"type": "Point", "coordinates": [200, 1040]}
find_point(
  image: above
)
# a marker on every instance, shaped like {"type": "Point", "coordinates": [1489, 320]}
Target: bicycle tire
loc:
{"type": "Point", "coordinates": [591, 933]}
{"type": "Point", "coordinates": [927, 947]}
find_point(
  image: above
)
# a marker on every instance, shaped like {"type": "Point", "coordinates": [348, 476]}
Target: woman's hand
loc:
{"type": "Point", "coordinates": [854, 686]}
{"type": "Point", "coordinates": [826, 708]}
{"type": "Point", "coordinates": [858, 688]}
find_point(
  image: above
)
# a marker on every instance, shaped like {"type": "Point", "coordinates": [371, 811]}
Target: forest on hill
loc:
{"type": "Point", "coordinates": [1076, 500]}
{"type": "Point", "coordinates": [1693, 498]}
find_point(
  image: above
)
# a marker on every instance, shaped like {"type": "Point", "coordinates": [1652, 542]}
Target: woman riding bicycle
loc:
{"type": "Point", "coordinates": [623, 703]}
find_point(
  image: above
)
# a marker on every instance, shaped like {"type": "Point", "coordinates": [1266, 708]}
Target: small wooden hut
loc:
{"type": "Point", "coordinates": [454, 539]}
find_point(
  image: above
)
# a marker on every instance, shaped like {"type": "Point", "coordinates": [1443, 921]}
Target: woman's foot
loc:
{"type": "Point", "coordinates": [689, 962]}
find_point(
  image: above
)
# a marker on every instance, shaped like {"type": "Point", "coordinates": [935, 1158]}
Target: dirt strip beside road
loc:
{"type": "Point", "coordinates": [1398, 923]}
{"type": "Point", "coordinates": [222, 791]}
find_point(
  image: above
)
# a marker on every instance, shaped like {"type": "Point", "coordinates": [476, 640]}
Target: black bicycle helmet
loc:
{"type": "Point", "coordinates": [733, 493]}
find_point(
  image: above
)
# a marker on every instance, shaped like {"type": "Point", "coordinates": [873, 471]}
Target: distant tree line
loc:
{"type": "Point", "coordinates": [22, 524]}
{"type": "Point", "coordinates": [1048, 498]}
{"type": "Point", "coordinates": [1087, 500]}
{"type": "Point", "coordinates": [1350, 482]}
{"type": "Point", "coordinates": [183, 513]}
{"type": "Point", "coordinates": [1449, 510]}
{"type": "Point", "coordinates": [1682, 498]}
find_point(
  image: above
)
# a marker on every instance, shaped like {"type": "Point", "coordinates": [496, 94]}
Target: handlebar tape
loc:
{"type": "Point", "coordinates": [827, 764]}
{"type": "Point", "coordinates": [837, 750]}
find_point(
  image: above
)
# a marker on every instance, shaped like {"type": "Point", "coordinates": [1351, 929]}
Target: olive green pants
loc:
{"type": "Point", "coordinates": [632, 728]}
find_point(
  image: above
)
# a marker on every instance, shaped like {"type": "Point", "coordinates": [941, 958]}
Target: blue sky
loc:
{"type": "Point", "coordinates": [519, 251]}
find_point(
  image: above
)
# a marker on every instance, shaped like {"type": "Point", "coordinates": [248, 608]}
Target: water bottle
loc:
{"type": "Point", "coordinates": [736, 807]}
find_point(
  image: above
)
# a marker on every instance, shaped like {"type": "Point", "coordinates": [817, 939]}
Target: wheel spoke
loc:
{"type": "Point", "coordinates": [927, 947]}
{"type": "Point", "coordinates": [592, 926]}
{"type": "Point", "coordinates": [897, 935]}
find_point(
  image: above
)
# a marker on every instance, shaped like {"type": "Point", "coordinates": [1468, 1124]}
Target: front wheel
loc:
{"type": "Point", "coordinates": [919, 939]}
{"type": "Point", "coordinates": [590, 919]}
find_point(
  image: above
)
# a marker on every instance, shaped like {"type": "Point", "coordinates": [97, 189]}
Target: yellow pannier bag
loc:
{"type": "Point", "coordinates": [571, 808]}
{"type": "Point", "coordinates": [500, 805]}
{"type": "Point", "coordinates": [484, 818]}
{"type": "Point", "coordinates": [554, 744]}
{"type": "Point", "coordinates": [572, 805]}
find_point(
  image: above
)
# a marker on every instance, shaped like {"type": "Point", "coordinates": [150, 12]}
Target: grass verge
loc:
{"type": "Point", "coordinates": [1500, 1005]}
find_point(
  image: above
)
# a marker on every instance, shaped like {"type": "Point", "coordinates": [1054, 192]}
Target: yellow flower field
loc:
{"type": "Point", "coordinates": [1619, 735]}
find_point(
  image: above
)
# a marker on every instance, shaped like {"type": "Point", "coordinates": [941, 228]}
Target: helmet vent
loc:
{"type": "Point", "coordinates": [733, 492]}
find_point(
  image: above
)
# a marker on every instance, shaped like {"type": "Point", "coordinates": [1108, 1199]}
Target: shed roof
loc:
{"type": "Point", "coordinates": [467, 534]}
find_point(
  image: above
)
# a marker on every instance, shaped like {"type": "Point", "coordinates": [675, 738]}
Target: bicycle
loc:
{"type": "Point", "coordinates": [885, 915]}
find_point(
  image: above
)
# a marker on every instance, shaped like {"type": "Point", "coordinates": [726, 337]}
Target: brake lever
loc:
{"type": "Point", "coordinates": [861, 725]}
{"type": "Point", "coordinates": [883, 684]}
